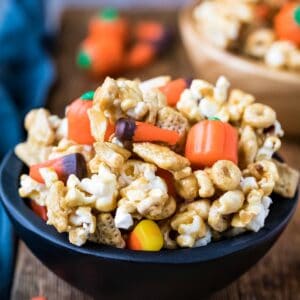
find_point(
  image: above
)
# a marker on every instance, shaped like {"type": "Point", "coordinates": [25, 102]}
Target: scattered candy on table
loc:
{"type": "Point", "coordinates": [156, 164]}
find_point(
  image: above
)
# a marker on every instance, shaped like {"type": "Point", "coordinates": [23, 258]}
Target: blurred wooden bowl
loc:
{"type": "Point", "coordinates": [277, 88]}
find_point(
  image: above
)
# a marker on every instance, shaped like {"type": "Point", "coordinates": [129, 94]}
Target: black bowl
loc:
{"type": "Point", "coordinates": [112, 273]}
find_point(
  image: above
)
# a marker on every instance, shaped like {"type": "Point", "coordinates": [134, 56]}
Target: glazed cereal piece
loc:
{"type": "Point", "coordinates": [266, 174]}
{"type": "Point", "coordinates": [152, 208]}
{"type": "Point", "coordinates": [288, 181]}
{"type": "Point", "coordinates": [106, 232]}
{"type": "Point", "coordinates": [29, 188]}
{"type": "Point", "coordinates": [187, 187]}
{"type": "Point", "coordinates": [166, 229]}
{"type": "Point", "coordinates": [83, 225]}
{"type": "Point", "coordinates": [216, 220]}
{"type": "Point", "coordinates": [133, 169]}
{"type": "Point", "coordinates": [170, 119]}
{"type": "Point", "coordinates": [154, 101]}
{"type": "Point", "coordinates": [39, 128]}
{"type": "Point", "coordinates": [270, 146]}
{"type": "Point", "coordinates": [57, 215]}
{"type": "Point", "coordinates": [250, 210]}
{"type": "Point", "coordinates": [190, 227]}
{"type": "Point", "coordinates": [106, 99]}
{"type": "Point", "coordinates": [201, 207]}
{"type": "Point", "coordinates": [259, 115]}
{"type": "Point", "coordinates": [237, 102]}
{"type": "Point", "coordinates": [111, 154]}
{"type": "Point", "coordinates": [66, 147]}
{"type": "Point", "coordinates": [32, 154]}
{"type": "Point", "coordinates": [206, 186]}
{"type": "Point", "coordinates": [225, 175]}
{"type": "Point", "coordinates": [259, 41]}
{"type": "Point", "coordinates": [248, 147]}
{"type": "Point", "coordinates": [149, 197]}
{"type": "Point", "coordinates": [161, 156]}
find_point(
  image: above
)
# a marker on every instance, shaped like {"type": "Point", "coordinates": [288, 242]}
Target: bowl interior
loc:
{"type": "Point", "coordinates": [280, 212]}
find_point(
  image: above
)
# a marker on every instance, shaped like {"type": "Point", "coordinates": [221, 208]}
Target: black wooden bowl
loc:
{"type": "Point", "coordinates": [110, 273]}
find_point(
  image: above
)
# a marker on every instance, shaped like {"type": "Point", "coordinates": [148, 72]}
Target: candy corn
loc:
{"type": "Point", "coordinates": [63, 166]}
{"type": "Point", "coordinates": [146, 236]}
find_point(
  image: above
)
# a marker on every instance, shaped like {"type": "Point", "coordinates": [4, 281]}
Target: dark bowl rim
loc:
{"type": "Point", "coordinates": [227, 247]}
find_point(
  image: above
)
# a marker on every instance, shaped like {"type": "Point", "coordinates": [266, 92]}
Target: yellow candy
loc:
{"type": "Point", "coordinates": [146, 236]}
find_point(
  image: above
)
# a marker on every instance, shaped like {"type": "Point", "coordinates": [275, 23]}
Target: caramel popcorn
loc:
{"type": "Point", "coordinates": [120, 183]}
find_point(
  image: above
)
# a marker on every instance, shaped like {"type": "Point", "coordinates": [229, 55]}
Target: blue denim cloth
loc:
{"type": "Point", "coordinates": [26, 74]}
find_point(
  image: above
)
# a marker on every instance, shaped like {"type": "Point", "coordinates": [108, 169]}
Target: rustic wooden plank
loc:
{"type": "Point", "coordinates": [276, 276]}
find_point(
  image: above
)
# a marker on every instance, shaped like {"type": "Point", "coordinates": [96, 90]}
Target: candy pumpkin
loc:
{"type": "Point", "coordinates": [287, 22]}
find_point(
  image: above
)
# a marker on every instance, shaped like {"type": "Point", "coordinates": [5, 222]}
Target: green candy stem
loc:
{"type": "Point", "coordinates": [83, 60]}
{"type": "Point", "coordinates": [214, 119]}
{"type": "Point", "coordinates": [109, 14]}
{"type": "Point", "coordinates": [87, 95]}
{"type": "Point", "coordinates": [297, 15]}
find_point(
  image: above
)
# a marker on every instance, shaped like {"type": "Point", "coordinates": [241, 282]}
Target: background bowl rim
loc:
{"type": "Point", "coordinates": [239, 62]}
{"type": "Point", "coordinates": [24, 216]}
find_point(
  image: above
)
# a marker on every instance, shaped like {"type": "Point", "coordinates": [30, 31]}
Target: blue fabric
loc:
{"type": "Point", "coordinates": [26, 74]}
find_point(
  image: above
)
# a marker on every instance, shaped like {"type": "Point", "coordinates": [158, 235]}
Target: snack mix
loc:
{"type": "Point", "coordinates": [153, 164]}
{"type": "Point", "coordinates": [266, 30]}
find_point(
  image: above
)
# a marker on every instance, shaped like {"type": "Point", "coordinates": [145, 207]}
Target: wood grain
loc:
{"type": "Point", "coordinates": [276, 276]}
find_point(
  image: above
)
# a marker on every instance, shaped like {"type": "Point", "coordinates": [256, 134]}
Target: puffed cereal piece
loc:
{"type": "Point", "coordinates": [106, 232]}
{"type": "Point", "coordinates": [187, 187]}
{"type": "Point", "coordinates": [170, 119]}
{"type": "Point", "coordinates": [161, 156]}
{"type": "Point", "coordinates": [111, 154]}
{"type": "Point", "coordinates": [259, 41]}
{"type": "Point", "coordinates": [225, 175]}
{"type": "Point", "coordinates": [248, 146]}
{"type": "Point", "coordinates": [190, 227]}
{"type": "Point", "coordinates": [201, 207]}
{"type": "Point", "coordinates": [133, 169]}
{"type": "Point", "coordinates": [259, 115]}
{"type": "Point", "coordinates": [188, 106]}
{"type": "Point", "coordinates": [258, 221]}
{"type": "Point", "coordinates": [165, 228]}
{"type": "Point", "coordinates": [39, 128]}
{"type": "Point", "coordinates": [185, 172]}
{"type": "Point", "coordinates": [57, 215]}
{"type": "Point", "coordinates": [250, 210]}
{"type": "Point", "coordinates": [206, 186]}
{"type": "Point", "coordinates": [237, 102]}
{"type": "Point", "coordinates": [265, 171]}
{"type": "Point", "coordinates": [154, 101]}
{"type": "Point", "coordinates": [154, 209]}
{"type": "Point", "coordinates": [29, 188]}
{"type": "Point", "coordinates": [83, 224]}
{"type": "Point", "coordinates": [221, 90]}
{"type": "Point", "coordinates": [98, 123]}
{"type": "Point", "coordinates": [287, 183]}
{"type": "Point", "coordinates": [216, 220]}
{"type": "Point", "coordinates": [66, 147]}
{"type": "Point", "coordinates": [231, 202]}
{"type": "Point", "coordinates": [32, 154]}
{"type": "Point", "coordinates": [270, 146]}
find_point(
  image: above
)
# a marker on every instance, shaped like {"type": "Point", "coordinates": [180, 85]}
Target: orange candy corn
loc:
{"type": "Point", "coordinates": [146, 236]}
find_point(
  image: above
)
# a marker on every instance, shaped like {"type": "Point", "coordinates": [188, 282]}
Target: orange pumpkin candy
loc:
{"type": "Point", "coordinates": [209, 141]}
{"type": "Point", "coordinates": [287, 22]}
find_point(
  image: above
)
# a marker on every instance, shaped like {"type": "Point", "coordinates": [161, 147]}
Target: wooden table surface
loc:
{"type": "Point", "coordinates": [276, 276]}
